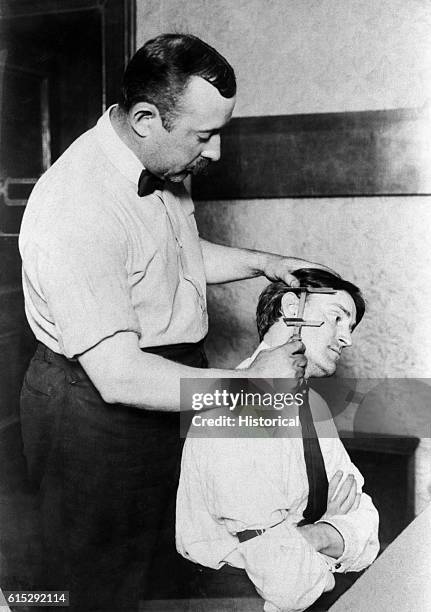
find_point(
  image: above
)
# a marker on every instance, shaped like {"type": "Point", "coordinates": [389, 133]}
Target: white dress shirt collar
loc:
{"type": "Point", "coordinates": [116, 150]}
{"type": "Point", "coordinates": [247, 362]}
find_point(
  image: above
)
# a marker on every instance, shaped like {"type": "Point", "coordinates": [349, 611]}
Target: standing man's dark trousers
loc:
{"type": "Point", "coordinates": [107, 476]}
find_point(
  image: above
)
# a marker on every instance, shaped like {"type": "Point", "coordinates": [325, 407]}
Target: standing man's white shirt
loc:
{"type": "Point", "coordinates": [229, 485]}
{"type": "Point", "coordinates": [138, 266]}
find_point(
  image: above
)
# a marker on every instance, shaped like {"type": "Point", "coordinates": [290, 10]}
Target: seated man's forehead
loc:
{"type": "Point", "coordinates": [342, 299]}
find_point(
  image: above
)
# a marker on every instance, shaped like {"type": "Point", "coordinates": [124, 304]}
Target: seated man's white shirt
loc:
{"type": "Point", "coordinates": [228, 485]}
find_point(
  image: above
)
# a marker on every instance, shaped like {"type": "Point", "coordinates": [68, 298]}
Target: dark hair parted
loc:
{"type": "Point", "coordinates": [269, 304]}
{"type": "Point", "coordinates": [159, 72]}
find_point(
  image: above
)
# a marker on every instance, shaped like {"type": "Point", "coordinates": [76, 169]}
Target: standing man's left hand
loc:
{"type": "Point", "coordinates": [279, 268]}
{"type": "Point", "coordinates": [224, 264]}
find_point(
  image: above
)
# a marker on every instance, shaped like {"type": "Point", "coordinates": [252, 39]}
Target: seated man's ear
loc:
{"type": "Point", "coordinates": [289, 304]}
{"type": "Point", "coordinates": [143, 118]}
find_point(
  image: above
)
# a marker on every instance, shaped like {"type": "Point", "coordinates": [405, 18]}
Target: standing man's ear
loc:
{"type": "Point", "coordinates": [143, 118]}
{"type": "Point", "coordinates": [289, 304]}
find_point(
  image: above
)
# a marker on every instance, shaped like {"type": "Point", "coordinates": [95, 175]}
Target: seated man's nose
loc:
{"type": "Point", "coordinates": [345, 338]}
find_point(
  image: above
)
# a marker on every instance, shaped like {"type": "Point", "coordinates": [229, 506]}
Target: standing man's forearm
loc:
{"type": "Point", "coordinates": [224, 264]}
{"type": "Point", "coordinates": [123, 374]}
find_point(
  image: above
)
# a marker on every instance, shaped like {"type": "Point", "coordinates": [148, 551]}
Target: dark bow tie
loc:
{"type": "Point", "coordinates": [148, 183]}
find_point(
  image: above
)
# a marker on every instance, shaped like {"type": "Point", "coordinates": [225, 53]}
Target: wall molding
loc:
{"type": "Point", "coordinates": [366, 153]}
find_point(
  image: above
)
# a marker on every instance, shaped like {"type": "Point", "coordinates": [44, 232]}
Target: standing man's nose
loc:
{"type": "Point", "coordinates": [212, 149]}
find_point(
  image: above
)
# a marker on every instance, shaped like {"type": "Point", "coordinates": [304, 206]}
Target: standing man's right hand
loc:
{"type": "Point", "coordinates": [285, 361]}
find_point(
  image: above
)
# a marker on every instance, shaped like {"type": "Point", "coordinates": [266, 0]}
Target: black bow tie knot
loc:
{"type": "Point", "coordinates": [148, 183]}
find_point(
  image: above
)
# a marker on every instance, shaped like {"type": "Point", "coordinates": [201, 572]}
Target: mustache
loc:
{"type": "Point", "coordinates": [200, 167]}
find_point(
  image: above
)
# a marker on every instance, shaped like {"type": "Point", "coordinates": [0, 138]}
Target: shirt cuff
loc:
{"type": "Point", "coordinates": [349, 554]}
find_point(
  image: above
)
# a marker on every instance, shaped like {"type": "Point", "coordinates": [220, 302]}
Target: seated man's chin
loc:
{"type": "Point", "coordinates": [322, 370]}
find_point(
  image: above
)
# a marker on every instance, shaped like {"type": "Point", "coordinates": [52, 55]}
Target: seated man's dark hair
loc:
{"type": "Point", "coordinates": [159, 72]}
{"type": "Point", "coordinates": [269, 304]}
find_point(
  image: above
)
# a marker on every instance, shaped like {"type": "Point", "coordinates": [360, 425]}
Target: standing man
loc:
{"type": "Point", "coordinates": [115, 278]}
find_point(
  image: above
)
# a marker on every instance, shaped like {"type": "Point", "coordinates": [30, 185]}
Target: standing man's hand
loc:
{"type": "Point", "coordinates": [285, 361]}
{"type": "Point", "coordinates": [224, 264]}
{"type": "Point", "coordinates": [279, 268]}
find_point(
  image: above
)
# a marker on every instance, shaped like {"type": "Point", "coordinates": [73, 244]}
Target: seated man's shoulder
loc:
{"type": "Point", "coordinates": [322, 415]}
{"type": "Point", "coordinates": [319, 406]}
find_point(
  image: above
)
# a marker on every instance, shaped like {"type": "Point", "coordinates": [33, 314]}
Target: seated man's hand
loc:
{"type": "Point", "coordinates": [324, 538]}
{"type": "Point", "coordinates": [342, 499]}
{"type": "Point", "coordinates": [285, 361]}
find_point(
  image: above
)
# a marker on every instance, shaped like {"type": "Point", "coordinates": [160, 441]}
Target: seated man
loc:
{"type": "Point", "coordinates": [248, 502]}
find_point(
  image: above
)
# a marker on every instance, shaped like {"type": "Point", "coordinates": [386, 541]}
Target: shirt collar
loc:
{"type": "Point", "coordinates": [116, 150]}
{"type": "Point", "coordinates": [247, 362]}
{"type": "Point", "coordinates": [263, 346]}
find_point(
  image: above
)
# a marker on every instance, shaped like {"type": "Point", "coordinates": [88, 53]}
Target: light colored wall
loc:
{"type": "Point", "coordinates": [311, 56]}
{"type": "Point", "coordinates": [381, 244]}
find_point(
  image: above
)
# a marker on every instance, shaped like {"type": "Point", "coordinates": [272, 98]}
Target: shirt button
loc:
{"type": "Point", "coordinates": [337, 565]}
